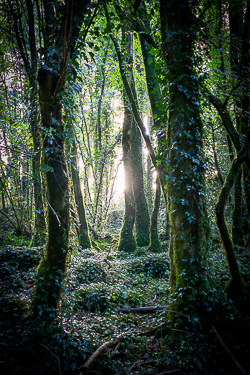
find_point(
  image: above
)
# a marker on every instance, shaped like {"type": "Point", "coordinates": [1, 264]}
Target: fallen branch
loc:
{"type": "Point", "coordinates": [228, 351]}
{"type": "Point", "coordinates": [98, 352]}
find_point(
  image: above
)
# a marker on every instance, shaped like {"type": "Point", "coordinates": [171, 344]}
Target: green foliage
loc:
{"type": "Point", "coordinates": [156, 267]}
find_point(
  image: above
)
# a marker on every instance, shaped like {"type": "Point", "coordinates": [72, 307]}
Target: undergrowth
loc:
{"type": "Point", "coordinates": [98, 285]}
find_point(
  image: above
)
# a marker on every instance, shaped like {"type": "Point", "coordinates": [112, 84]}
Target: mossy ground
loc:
{"type": "Point", "coordinates": [98, 285]}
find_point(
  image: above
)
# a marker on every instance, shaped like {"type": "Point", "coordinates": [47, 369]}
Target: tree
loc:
{"type": "Point", "coordinates": [57, 35]}
{"type": "Point", "coordinates": [185, 171]}
{"type": "Point", "coordinates": [127, 241]}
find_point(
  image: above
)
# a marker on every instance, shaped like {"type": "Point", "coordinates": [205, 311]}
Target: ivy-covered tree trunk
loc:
{"type": "Point", "coordinates": [52, 267]}
{"type": "Point", "coordinates": [84, 240]}
{"type": "Point", "coordinates": [185, 173]}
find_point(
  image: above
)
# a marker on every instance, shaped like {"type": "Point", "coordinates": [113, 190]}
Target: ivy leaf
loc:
{"type": "Point", "coordinates": [46, 168]}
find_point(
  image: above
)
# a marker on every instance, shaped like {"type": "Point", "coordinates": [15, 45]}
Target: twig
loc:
{"type": "Point", "coordinates": [179, 330]}
{"type": "Point", "coordinates": [170, 372]}
{"type": "Point", "coordinates": [98, 352]}
{"type": "Point", "coordinates": [228, 351]}
{"type": "Point", "coordinates": [144, 310]}
{"type": "Point", "coordinates": [139, 363]}
{"type": "Point", "coordinates": [116, 348]}
{"type": "Point", "coordinates": [58, 359]}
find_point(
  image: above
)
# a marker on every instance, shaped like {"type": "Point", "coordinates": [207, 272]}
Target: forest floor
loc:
{"type": "Point", "coordinates": [99, 284]}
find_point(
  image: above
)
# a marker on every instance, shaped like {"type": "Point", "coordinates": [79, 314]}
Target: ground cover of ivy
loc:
{"type": "Point", "coordinates": [99, 284]}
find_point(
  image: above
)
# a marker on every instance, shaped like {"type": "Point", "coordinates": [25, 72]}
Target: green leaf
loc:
{"type": "Point", "coordinates": [46, 168]}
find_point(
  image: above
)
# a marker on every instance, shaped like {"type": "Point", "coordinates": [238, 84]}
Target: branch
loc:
{"type": "Point", "coordinates": [228, 352]}
{"type": "Point", "coordinates": [233, 89]}
{"type": "Point", "coordinates": [134, 108]}
{"type": "Point", "coordinates": [99, 351]}
{"type": "Point", "coordinates": [58, 359]}
{"type": "Point", "coordinates": [226, 119]}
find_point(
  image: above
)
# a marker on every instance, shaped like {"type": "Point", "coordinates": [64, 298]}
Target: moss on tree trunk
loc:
{"type": "Point", "coordinates": [40, 225]}
{"type": "Point", "coordinates": [235, 287]}
{"type": "Point", "coordinates": [237, 218]}
{"type": "Point", "coordinates": [52, 267]}
{"type": "Point", "coordinates": [154, 244]}
{"type": "Point", "coordinates": [127, 241]}
{"type": "Point", "coordinates": [141, 207]}
{"type": "Point", "coordinates": [185, 172]}
{"type": "Point", "coordinates": [83, 236]}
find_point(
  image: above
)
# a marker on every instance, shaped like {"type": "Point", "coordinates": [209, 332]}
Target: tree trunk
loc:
{"type": "Point", "coordinates": [40, 225]}
{"type": "Point", "coordinates": [142, 220]}
{"type": "Point", "coordinates": [235, 287]}
{"type": "Point", "coordinates": [127, 241]}
{"type": "Point", "coordinates": [141, 208]}
{"type": "Point", "coordinates": [185, 173]}
{"type": "Point", "coordinates": [154, 93]}
{"type": "Point", "coordinates": [154, 244]}
{"type": "Point", "coordinates": [52, 267]}
{"type": "Point", "coordinates": [236, 26]}
{"type": "Point", "coordinates": [237, 218]}
{"type": "Point", "coordinates": [84, 240]}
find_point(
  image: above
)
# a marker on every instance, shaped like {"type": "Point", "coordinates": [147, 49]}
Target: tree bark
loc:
{"type": "Point", "coordinates": [83, 237]}
{"type": "Point", "coordinates": [141, 208]}
{"type": "Point", "coordinates": [127, 241]}
{"type": "Point", "coordinates": [52, 267]}
{"type": "Point", "coordinates": [185, 174]}
{"type": "Point", "coordinates": [155, 244]}
{"type": "Point", "coordinates": [235, 287]}
{"type": "Point", "coordinates": [40, 225]}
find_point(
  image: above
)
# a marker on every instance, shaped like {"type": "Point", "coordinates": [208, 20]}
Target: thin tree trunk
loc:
{"type": "Point", "coordinates": [235, 287]}
{"type": "Point", "coordinates": [84, 240]}
{"type": "Point", "coordinates": [154, 244]}
{"type": "Point", "coordinates": [127, 241]}
{"type": "Point", "coordinates": [40, 225]}
{"type": "Point", "coordinates": [142, 220]}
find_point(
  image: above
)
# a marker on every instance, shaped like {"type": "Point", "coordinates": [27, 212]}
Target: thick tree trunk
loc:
{"type": "Point", "coordinates": [84, 240]}
{"type": "Point", "coordinates": [185, 174]}
{"type": "Point", "coordinates": [52, 267]}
